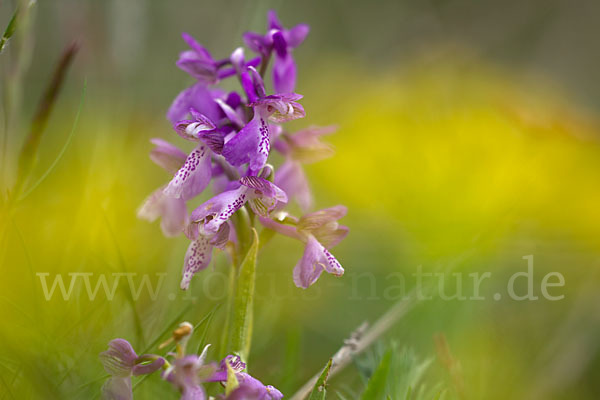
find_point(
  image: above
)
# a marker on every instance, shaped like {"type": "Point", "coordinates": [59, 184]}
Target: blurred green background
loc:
{"type": "Point", "coordinates": [468, 138]}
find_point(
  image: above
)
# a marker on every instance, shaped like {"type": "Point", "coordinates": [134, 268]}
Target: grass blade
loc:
{"type": "Point", "coordinates": [28, 154]}
{"type": "Point", "coordinates": [320, 391]}
{"type": "Point", "coordinates": [9, 31]}
{"type": "Point", "coordinates": [377, 384]}
{"type": "Point", "coordinates": [169, 327]}
{"type": "Point", "coordinates": [208, 318]}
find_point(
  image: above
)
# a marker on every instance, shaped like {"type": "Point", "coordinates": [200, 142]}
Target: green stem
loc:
{"type": "Point", "coordinates": [264, 64]}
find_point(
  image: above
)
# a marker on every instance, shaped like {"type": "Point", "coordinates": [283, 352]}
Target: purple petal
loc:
{"type": "Point", "coordinates": [248, 86]}
{"type": "Point", "coordinates": [119, 359]}
{"type": "Point", "coordinates": [226, 72]}
{"type": "Point", "coordinates": [117, 388]}
{"type": "Point", "coordinates": [257, 80]}
{"type": "Point", "coordinates": [233, 100]}
{"type": "Point", "coordinates": [254, 387]}
{"type": "Point", "coordinates": [263, 196]}
{"type": "Point", "coordinates": [230, 113]}
{"type": "Point", "coordinates": [236, 364]}
{"type": "Point", "coordinates": [273, 393]}
{"type": "Point", "coordinates": [172, 211]}
{"type": "Point", "coordinates": [315, 259]}
{"type": "Point", "coordinates": [197, 47]}
{"type": "Point", "coordinates": [296, 35]}
{"type": "Point", "coordinates": [216, 211]}
{"type": "Point", "coordinates": [332, 265]}
{"type": "Point", "coordinates": [245, 392]}
{"type": "Point", "coordinates": [280, 45]}
{"type": "Point", "coordinates": [237, 59]}
{"type": "Point", "coordinates": [291, 179]}
{"type": "Point", "coordinates": [151, 209]}
{"type": "Point", "coordinates": [221, 237]}
{"type": "Point", "coordinates": [144, 369]}
{"type": "Point", "coordinates": [204, 71]}
{"type": "Point", "coordinates": [197, 258]}
{"type": "Point", "coordinates": [257, 43]}
{"type": "Point", "coordinates": [331, 237]}
{"type": "Point", "coordinates": [166, 155]}
{"type": "Point", "coordinates": [214, 140]}
{"type": "Point", "coordinates": [250, 145]}
{"type": "Point", "coordinates": [261, 186]}
{"type": "Point", "coordinates": [192, 129]}
{"type": "Point", "coordinates": [279, 107]}
{"type": "Point", "coordinates": [317, 219]}
{"type": "Point", "coordinates": [193, 177]}
{"type": "Point", "coordinates": [311, 135]}
{"type": "Point", "coordinates": [308, 269]}
{"type": "Point", "coordinates": [284, 73]}
{"type": "Point", "coordinates": [193, 392]}
{"type": "Point", "coordinates": [273, 20]}
{"type": "Point", "coordinates": [198, 97]}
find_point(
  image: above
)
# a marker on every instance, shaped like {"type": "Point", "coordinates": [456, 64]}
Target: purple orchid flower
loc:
{"type": "Point", "coordinates": [209, 223]}
{"type": "Point", "coordinates": [187, 374]}
{"type": "Point", "coordinates": [121, 362]}
{"type": "Point", "coordinates": [252, 144]}
{"type": "Point", "coordinates": [249, 387]}
{"type": "Point", "coordinates": [319, 231]}
{"type": "Point", "coordinates": [199, 97]}
{"type": "Point", "coordinates": [239, 63]}
{"type": "Point", "coordinates": [283, 41]}
{"type": "Point", "coordinates": [172, 211]}
{"type": "Point", "coordinates": [303, 147]}
{"type": "Point", "coordinates": [198, 62]}
{"type": "Point", "coordinates": [193, 177]}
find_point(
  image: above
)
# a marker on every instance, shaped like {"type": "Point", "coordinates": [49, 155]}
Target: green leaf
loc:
{"type": "Point", "coordinates": [208, 319]}
{"type": "Point", "coordinates": [241, 330]}
{"type": "Point", "coordinates": [377, 384]}
{"type": "Point", "coordinates": [232, 382]}
{"type": "Point", "coordinates": [29, 151]}
{"type": "Point", "coordinates": [320, 390]}
{"type": "Point", "coordinates": [9, 31]}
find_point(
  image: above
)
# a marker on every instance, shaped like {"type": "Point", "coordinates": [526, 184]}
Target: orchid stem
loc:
{"type": "Point", "coordinates": [264, 64]}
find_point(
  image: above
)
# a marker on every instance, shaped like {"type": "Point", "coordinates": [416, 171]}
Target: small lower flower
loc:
{"type": "Point", "coordinates": [249, 387]}
{"type": "Point", "coordinates": [121, 362]}
{"type": "Point", "coordinates": [187, 371]}
{"type": "Point", "coordinates": [319, 231]}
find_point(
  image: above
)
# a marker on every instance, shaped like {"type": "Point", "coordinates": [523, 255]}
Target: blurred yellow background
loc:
{"type": "Point", "coordinates": [446, 159]}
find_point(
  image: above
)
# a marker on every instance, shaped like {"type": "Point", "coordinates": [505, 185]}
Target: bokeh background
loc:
{"type": "Point", "coordinates": [468, 138]}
